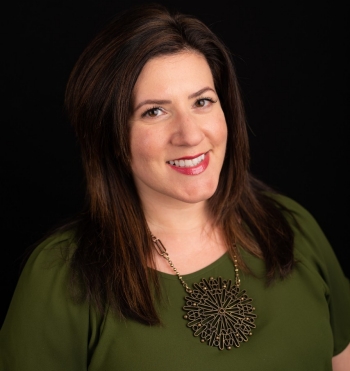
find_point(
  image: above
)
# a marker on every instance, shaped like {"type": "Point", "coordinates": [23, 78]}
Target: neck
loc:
{"type": "Point", "coordinates": [176, 218]}
{"type": "Point", "coordinates": [188, 234]}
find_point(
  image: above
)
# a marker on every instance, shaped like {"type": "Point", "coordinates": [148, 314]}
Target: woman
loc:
{"type": "Point", "coordinates": [181, 258]}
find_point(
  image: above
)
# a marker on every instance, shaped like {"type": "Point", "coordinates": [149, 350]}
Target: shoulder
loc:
{"type": "Point", "coordinates": [298, 210]}
{"type": "Point", "coordinates": [43, 315]}
{"type": "Point", "coordinates": [58, 239]}
{"type": "Point", "coordinates": [55, 250]}
{"type": "Point", "coordinates": [46, 271]}
{"type": "Point", "coordinates": [311, 245]}
{"type": "Point", "coordinates": [300, 218]}
{"type": "Point", "coordinates": [309, 238]}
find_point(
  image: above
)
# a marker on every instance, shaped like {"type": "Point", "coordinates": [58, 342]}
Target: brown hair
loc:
{"type": "Point", "coordinates": [113, 243]}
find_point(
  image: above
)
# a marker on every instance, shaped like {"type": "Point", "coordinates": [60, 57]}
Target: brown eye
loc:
{"type": "Point", "coordinates": [202, 102]}
{"type": "Point", "coordinates": [153, 112]}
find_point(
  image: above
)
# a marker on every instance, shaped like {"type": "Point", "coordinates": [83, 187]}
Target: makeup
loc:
{"type": "Point", "coordinates": [183, 165]}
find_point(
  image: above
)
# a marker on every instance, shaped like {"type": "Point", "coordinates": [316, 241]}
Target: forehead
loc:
{"type": "Point", "coordinates": [168, 73]}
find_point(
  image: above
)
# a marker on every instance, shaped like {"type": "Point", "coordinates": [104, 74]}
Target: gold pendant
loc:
{"type": "Point", "coordinates": [220, 313]}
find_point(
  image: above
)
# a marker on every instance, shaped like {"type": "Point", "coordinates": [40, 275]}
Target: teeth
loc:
{"type": "Point", "coordinates": [187, 163]}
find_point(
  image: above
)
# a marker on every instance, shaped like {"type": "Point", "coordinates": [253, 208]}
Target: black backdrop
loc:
{"type": "Point", "coordinates": [292, 64]}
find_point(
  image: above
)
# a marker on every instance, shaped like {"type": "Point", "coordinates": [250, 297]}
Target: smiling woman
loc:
{"type": "Point", "coordinates": [177, 237]}
{"type": "Point", "coordinates": [183, 135]}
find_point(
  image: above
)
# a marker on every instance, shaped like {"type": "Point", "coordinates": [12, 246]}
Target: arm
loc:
{"type": "Point", "coordinates": [341, 362]}
{"type": "Point", "coordinates": [323, 258]}
{"type": "Point", "coordinates": [44, 329]}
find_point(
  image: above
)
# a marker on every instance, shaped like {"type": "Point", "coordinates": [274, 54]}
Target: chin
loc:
{"type": "Point", "coordinates": [196, 196]}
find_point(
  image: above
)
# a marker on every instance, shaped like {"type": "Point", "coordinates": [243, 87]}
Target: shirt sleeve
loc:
{"type": "Point", "coordinates": [321, 258]}
{"type": "Point", "coordinates": [44, 329]}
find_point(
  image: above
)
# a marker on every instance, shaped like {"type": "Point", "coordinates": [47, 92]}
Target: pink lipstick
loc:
{"type": "Point", "coordinates": [190, 165]}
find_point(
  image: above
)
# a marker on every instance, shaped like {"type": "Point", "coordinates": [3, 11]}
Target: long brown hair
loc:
{"type": "Point", "coordinates": [113, 243]}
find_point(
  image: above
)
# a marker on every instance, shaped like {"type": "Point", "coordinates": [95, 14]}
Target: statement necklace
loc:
{"type": "Point", "coordinates": [217, 311]}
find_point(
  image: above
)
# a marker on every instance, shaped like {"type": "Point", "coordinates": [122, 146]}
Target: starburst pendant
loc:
{"type": "Point", "coordinates": [219, 313]}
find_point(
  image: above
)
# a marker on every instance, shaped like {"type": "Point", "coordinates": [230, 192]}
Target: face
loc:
{"type": "Point", "coordinates": [178, 130]}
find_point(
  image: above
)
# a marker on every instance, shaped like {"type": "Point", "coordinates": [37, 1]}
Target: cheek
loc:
{"type": "Point", "coordinates": [138, 144]}
{"type": "Point", "coordinates": [224, 132]}
{"type": "Point", "coordinates": [139, 155]}
{"type": "Point", "coordinates": [136, 147]}
{"type": "Point", "coordinates": [144, 145]}
{"type": "Point", "coordinates": [220, 130]}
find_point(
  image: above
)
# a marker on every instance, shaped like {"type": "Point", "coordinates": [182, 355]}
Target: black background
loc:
{"type": "Point", "coordinates": [292, 63]}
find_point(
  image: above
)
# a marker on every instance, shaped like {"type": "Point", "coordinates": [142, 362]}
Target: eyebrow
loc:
{"type": "Point", "coordinates": [163, 101]}
{"type": "Point", "coordinates": [200, 92]}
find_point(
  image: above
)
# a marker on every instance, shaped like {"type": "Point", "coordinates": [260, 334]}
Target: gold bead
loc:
{"type": "Point", "coordinates": [250, 333]}
{"type": "Point", "coordinates": [229, 348]}
{"type": "Point", "coordinates": [185, 316]}
{"type": "Point", "coordinates": [202, 340]}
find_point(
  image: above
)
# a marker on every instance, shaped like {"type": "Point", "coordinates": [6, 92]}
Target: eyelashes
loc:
{"type": "Point", "coordinates": [155, 111]}
{"type": "Point", "coordinates": [204, 99]}
{"type": "Point", "coordinates": [151, 111]}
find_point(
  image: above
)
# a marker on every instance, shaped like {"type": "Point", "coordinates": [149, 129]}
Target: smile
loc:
{"type": "Point", "coordinates": [188, 162]}
{"type": "Point", "coordinates": [190, 166]}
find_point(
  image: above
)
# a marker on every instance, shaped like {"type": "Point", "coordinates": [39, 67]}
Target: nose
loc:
{"type": "Point", "coordinates": [187, 130]}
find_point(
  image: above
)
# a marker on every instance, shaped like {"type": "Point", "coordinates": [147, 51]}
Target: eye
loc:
{"type": "Point", "coordinates": [153, 112]}
{"type": "Point", "coordinates": [203, 102]}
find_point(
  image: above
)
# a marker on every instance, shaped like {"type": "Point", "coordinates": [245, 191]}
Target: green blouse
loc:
{"type": "Point", "coordinates": [301, 321]}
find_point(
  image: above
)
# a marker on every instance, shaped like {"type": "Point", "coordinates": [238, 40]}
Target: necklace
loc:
{"type": "Point", "coordinates": [217, 311]}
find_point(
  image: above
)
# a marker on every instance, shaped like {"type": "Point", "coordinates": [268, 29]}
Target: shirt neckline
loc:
{"type": "Point", "coordinates": [201, 272]}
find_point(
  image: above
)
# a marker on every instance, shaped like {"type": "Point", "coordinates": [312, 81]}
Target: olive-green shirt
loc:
{"type": "Point", "coordinates": [301, 321]}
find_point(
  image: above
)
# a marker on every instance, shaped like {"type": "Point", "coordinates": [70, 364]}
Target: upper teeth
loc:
{"type": "Point", "coordinates": [188, 163]}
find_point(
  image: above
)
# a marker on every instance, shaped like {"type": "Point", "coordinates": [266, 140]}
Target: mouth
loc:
{"type": "Point", "coordinates": [187, 162]}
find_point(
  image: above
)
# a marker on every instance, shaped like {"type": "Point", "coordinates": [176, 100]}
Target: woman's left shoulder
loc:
{"type": "Point", "coordinates": [299, 217]}
{"type": "Point", "coordinates": [309, 237]}
{"type": "Point", "coordinates": [299, 211]}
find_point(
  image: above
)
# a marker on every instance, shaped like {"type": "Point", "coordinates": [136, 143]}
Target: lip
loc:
{"type": "Point", "coordinates": [189, 157]}
{"type": "Point", "coordinates": [194, 170]}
